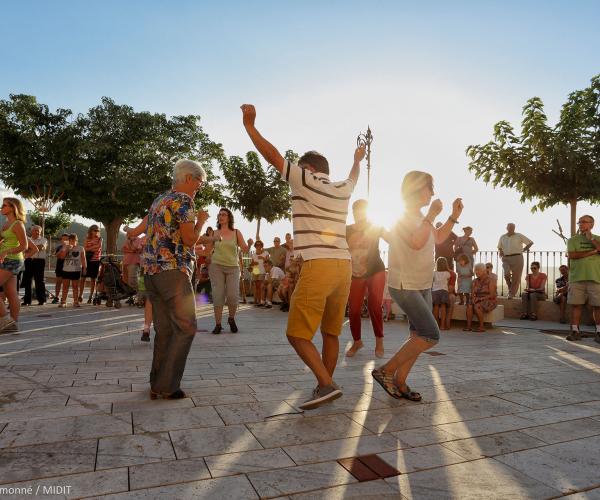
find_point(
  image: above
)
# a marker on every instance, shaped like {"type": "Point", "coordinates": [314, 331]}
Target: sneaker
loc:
{"type": "Point", "coordinates": [268, 305]}
{"type": "Point", "coordinates": [574, 336]}
{"type": "Point", "coordinates": [232, 326]}
{"type": "Point", "coordinates": [55, 300]}
{"type": "Point", "coordinates": [285, 308]}
{"type": "Point", "coordinates": [6, 323]}
{"type": "Point", "coordinates": [321, 396]}
{"type": "Point", "coordinates": [217, 329]}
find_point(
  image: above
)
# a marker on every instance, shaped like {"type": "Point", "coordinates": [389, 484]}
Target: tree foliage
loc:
{"type": "Point", "coordinates": [547, 165]}
{"type": "Point", "coordinates": [109, 164]}
{"type": "Point", "coordinates": [53, 223]}
{"type": "Point", "coordinates": [256, 192]}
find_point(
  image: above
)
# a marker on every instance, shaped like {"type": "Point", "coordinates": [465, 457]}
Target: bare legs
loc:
{"type": "Point", "coordinates": [75, 285]}
{"type": "Point", "coordinates": [402, 362]}
{"type": "Point", "coordinates": [479, 313]}
{"type": "Point", "coordinates": [322, 365]}
{"type": "Point", "coordinates": [9, 282]}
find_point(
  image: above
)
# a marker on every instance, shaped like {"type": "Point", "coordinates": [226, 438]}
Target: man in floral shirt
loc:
{"type": "Point", "coordinates": [173, 228]}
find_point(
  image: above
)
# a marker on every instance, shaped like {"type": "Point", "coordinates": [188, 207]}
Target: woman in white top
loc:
{"type": "Point", "coordinates": [439, 291]}
{"type": "Point", "coordinates": [412, 241]}
{"type": "Point", "coordinates": [74, 266]}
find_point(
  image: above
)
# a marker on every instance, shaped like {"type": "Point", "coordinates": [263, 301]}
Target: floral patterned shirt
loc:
{"type": "Point", "coordinates": [164, 249]}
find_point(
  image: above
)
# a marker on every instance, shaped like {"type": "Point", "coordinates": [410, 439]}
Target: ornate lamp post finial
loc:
{"type": "Point", "coordinates": [365, 139]}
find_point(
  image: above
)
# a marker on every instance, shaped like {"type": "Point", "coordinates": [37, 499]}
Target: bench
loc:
{"type": "Point", "coordinates": [460, 314]}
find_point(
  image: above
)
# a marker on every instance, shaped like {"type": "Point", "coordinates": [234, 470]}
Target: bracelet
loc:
{"type": "Point", "coordinates": [454, 221]}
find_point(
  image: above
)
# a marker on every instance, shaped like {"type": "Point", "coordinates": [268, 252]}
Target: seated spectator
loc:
{"type": "Point", "coordinates": [288, 283]}
{"type": "Point", "coordinates": [535, 289]}
{"type": "Point", "coordinates": [273, 277]}
{"type": "Point", "coordinates": [489, 267]}
{"type": "Point", "coordinates": [561, 290]}
{"type": "Point", "coordinates": [483, 297]}
{"type": "Point", "coordinates": [439, 291]}
{"type": "Point", "coordinates": [464, 272]}
{"type": "Point", "coordinates": [203, 285]}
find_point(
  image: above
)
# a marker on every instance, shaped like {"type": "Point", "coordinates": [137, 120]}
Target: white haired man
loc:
{"type": "Point", "coordinates": [35, 263]}
{"type": "Point", "coordinates": [172, 227]}
{"type": "Point", "coordinates": [511, 247]}
{"type": "Point", "coordinates": [319, 211]}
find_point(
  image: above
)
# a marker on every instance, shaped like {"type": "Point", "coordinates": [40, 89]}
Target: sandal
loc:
{"type": "Point", "coordinates": [387, 382]}
{"type": "Point", "coordinates": [408, 394]}
{"type": "Point", "coordinates": [178, 394]}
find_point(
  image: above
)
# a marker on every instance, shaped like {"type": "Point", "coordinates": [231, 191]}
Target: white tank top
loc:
{"type": "Point", "coordinates": [73, 260]}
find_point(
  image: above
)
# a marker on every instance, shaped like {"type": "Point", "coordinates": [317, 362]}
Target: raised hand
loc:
{"type": "Point", "coordinates": [457, 208]}
{"type": "Point", "coordinates": [435, 208]}
{"type": "Point", "coordinates": [249, 114]}
{"type": "Point", "coordinates": [202, 216]}
{"type": "Point", "coordinates": [359, 154]}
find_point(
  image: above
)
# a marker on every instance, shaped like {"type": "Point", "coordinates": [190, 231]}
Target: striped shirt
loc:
{"type": "Point", "coordinates": [319, 211]}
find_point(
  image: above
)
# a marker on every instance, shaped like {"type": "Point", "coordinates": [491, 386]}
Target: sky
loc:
{"type": "Point", "coordinates": [428, 78]}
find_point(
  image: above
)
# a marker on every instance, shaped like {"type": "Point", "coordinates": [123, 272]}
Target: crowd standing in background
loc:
{"type": "Point", "coordinates": [35, 263]}
{"type": "Point", "coordinates": [93, 253]}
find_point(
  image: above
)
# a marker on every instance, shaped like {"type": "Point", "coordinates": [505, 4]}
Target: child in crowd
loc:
{"type": "Point", "coordinates": [74, 266]}
{"type": "Point", "coordinates": [439, 291]}
{"type": "Point", "coordinates": [258, 273]}
{"type": "Point", "coordinates": [464, 270]}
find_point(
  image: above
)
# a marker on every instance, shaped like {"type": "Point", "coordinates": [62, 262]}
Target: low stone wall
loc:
{"type": "Point", "coordinates": [547, 310]}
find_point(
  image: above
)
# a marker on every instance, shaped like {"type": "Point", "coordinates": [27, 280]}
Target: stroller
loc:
{"type": "Point", "coordinates": [110, 284]}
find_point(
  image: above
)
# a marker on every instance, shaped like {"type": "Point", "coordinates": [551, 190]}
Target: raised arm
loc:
{"type": "Point", "coordinates": [264, 147]}
{"type": "Point", "coordinates": [443, 232]}
{"type": "Point", "coordinates": [138, 230]}
{"type": "Point", "coordinates": [359, 155]}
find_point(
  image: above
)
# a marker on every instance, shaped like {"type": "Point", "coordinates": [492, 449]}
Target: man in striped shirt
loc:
{"type": "Point", "coordinates": [319, 210]}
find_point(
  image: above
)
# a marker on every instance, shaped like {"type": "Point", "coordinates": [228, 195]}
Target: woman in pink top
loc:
{"type": "Point", "coordinates": [535, 290]}
{"type": "Point", "coordinates": [93, 253]}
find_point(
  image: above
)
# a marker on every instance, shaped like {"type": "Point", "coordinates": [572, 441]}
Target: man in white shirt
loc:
{"type": "Point", "coordinates": [319, 211]}
{"type": "Point", "coordinates": [511, 247]}
{"type": "Point", "coordinates": [35, 263]}
{"type": "Point", "coordinates": [273, 278]}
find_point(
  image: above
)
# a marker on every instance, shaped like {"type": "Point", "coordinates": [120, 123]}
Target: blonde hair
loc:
{"type": "Point", "coordinates": [18, 208]}
{"type": "Point", "coordinates": [413, 183]}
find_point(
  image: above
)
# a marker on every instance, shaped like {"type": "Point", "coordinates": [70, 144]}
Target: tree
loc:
{"type": "Point", "coordinates": [54, 223]}
{"type": "Point", "coordinates": [37, 147]}
{"type": "Point", "coordinates": [550, 166]}
{"type": "Point", "coordinates": [255, 192]}
{"type": "Point", "coordinates": [126, 159]}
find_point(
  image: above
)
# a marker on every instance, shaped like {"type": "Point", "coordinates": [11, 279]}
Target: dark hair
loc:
{"type": "Point", "coordinates": [267, 262]}
{"type": "Point", "coordinates": [258, 242]}
{"type": "Point", "coordinates": [463, 256]}
{"type": "Point", "coordinates": [315, 160]}
{"type": "Point", "coordinates": [64, 234]}
{"type": "Point", "coordinates": [209, 230]}
{"type": "Point", "coordinates": [230, 223]}
{"type": "Point", "coordinates": [442, 264]}
{"type": "Point", "coordinates": [92, 228]}
{"type": "Point", "coordinates": [73, 236]}
{"type": "Point", "coordinates": [536, 263]}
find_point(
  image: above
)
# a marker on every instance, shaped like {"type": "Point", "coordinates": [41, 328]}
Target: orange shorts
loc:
{"type": "Point", "coordinates": [320, 298]}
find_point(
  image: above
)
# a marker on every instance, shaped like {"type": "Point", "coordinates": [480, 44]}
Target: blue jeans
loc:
{"type": "Point", "coordinates": [417, 306]}
{"type": "Point", "coordinates": [174, 316]}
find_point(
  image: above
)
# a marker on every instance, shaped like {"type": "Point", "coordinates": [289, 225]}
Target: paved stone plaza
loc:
{"type": "Point", "coordinates": [513, 413]}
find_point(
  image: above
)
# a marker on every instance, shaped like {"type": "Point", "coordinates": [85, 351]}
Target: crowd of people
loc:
{"type": "Point", "coordinates": [326, 268]}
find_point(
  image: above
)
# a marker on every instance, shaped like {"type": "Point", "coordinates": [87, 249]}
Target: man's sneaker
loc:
{"type": "Point", "coordinates": [7, 324]}
{"type": "Point", "coordinates": [321, 396]}
{"type": "Point", "coordinates": [574, 335]}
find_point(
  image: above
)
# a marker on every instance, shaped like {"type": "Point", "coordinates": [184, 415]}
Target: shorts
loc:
{"type": "Point", "coordinates": [258, 277]}
{"type": "Point", "coordinates": [416, 304]}
{"type": "Point", "coordinates": [581, 292]}
{"type": "Point", "coordinates": [13, 265]}
{"type": "Point", "coordinates": [71, 275]}
{"type": "Point", "coordinates": [440, 297]}
{"type": "Point", "coordinates": [59, 268]}
{"type": "Point", "coordinates": [320, 298]}
{"type": "Point", "coordinates": [93, 266]}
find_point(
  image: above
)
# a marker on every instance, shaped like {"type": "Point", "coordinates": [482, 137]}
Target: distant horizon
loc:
{"type": "Point", "coordinates": [428, 79]}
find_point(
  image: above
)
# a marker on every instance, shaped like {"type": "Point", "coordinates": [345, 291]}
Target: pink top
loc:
{"type": "Point", "coordinates": [132, 250]}
{"type": "Point", "coordinates": [93, 245]}
{"type": "Point", "coordinates": [536, 281]}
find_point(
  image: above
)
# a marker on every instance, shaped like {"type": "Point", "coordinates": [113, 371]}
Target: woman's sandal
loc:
{"type": "Point", "coordinates": [387, 382]}
{"type": "Point", "coordinates": [408, 394]}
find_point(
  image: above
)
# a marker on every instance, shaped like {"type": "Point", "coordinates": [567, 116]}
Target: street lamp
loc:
{"type": "Point", "coordinates": [365, 139]}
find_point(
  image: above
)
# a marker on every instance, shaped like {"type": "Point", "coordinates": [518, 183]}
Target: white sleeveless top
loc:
{"type": "Point", "coordinates": [73, 260]}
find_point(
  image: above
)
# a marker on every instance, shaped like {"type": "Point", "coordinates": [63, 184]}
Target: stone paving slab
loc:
{"type": "Point", "coordinates": [510, 414]}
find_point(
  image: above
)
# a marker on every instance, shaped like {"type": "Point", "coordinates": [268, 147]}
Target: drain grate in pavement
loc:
{"type": "Point", "coordinates": [368, 467]}
{"type": "Point", "coordinates": [434, 353]}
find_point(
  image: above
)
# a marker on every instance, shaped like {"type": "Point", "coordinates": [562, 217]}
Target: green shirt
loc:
{"type": "Point", "coordinates": [277, 256]}
{"type": "Point", "coordinates": [588, 268]}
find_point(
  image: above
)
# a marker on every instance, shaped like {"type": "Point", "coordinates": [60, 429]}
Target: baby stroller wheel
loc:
{"type": "Point", "coordinates": [117, 304]}
{"type": "Point", "coordinates": [109, 303]}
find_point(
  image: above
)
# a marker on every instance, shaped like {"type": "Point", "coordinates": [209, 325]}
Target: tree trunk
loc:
{"type": "Point", "coordinates": [258, 229]}
{"type": "Point", "coordinates": [112, 233]}
{"type": "Point", "coordinates": [573, 204]}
